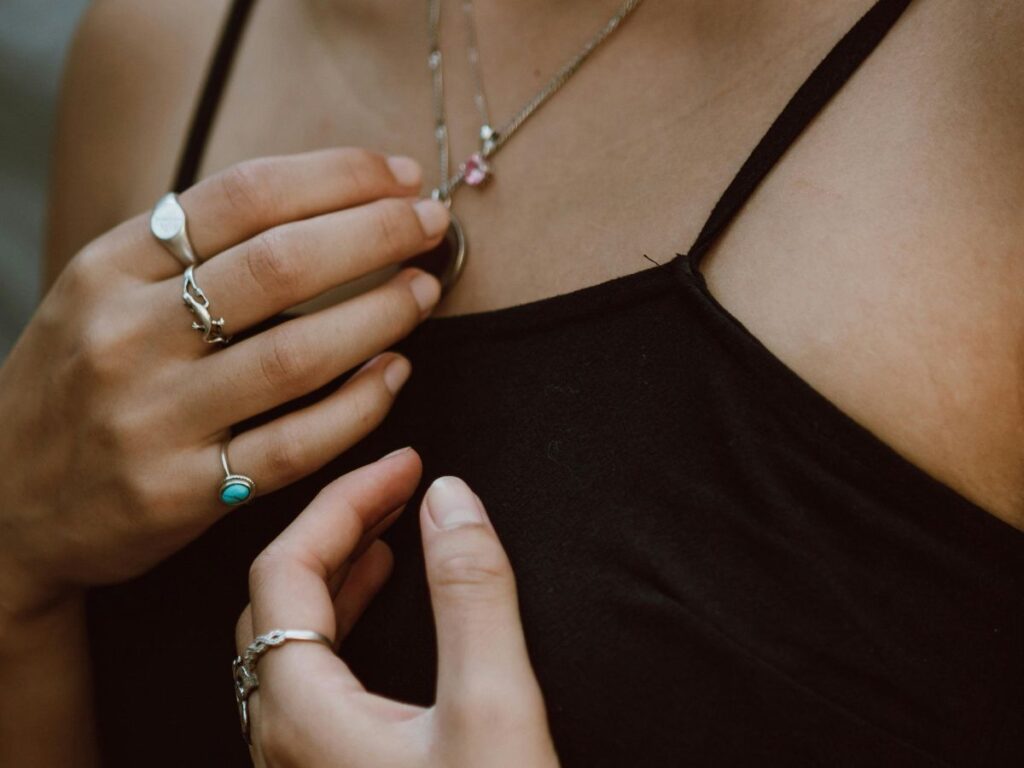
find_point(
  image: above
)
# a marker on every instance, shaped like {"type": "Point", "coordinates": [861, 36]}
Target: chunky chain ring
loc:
{"type": "Point", "coordinates": [243, 668]}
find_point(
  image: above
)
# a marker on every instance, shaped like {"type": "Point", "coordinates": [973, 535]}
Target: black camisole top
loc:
{"type": "Point", "coordinates": [716, 565]}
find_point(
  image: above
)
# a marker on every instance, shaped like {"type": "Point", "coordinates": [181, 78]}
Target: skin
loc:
{"type": "Point", "coordinates": [906, 314]}
{"type": "Point", "coordinates": [111, 491]}
{"type": "Point", "coordinates": [881, 260]}
{"type": "Point", "coordinates": [321, 573]}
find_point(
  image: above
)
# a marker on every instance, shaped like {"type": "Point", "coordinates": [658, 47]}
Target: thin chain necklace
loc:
{"type": "Point", "coordinates": [476, 170]}
{"type": "Point", "coordinates": [452, 250]}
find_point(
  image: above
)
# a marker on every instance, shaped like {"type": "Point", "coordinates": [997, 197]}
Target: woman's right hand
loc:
{"type": "Point", "coordinates": [114, 409]}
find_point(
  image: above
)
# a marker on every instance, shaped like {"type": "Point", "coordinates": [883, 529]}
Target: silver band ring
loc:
{"type": "Point", "coordinates": [168, 224]}
{"type": "Point", "coordinates": [234, 489]}
{"type": "Point", "coordinates": [243, 668]}
{"type": "Point", "coordinates": [199, 305]}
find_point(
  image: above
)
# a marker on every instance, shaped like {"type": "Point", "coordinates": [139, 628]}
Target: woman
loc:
{"type": "Point", "coordinates": [762, 500]}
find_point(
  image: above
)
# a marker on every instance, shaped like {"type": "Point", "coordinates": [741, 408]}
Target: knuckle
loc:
{"type": "Point", "coordinates": [265, 567]}
{"type": "Point", "coordinates": [483, 570]}
{"type": "Point", "coordinates": [98, 352]}
{"type": "Point", "coordinates": [363, 171]}
{"type": "Point", "coordinates": [120, 436]}
{"type": "Point", "coordinates": [135, 492]}
{"type": "Point", "coordinates": [86, 267]}
{"type": "Point", "coordinates": [245, 188]}
{"type": "Point", "coordinates": [492, 700]}
{"type": "Point", "coordinates": [282, 362]}
{"type": "Point", "coordinates": [119, 433]}
{"type": "Point", "coordinates": [286, 457]}
{"type": "Point", "coordinates": [366, 406]}
{"type": "Point", "coordinates": [269, 263]}
{"type": "Point", "coordinates": [143, 497]}
{"type": "Point", "coordinates": [397, 228]}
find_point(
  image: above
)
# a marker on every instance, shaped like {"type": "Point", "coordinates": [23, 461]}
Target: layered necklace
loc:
{"type": "Point", "coordinates": [476, 170]}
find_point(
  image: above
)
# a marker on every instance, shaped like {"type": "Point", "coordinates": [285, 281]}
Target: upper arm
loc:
{"type": "Point", "coordinates": [131, 78]}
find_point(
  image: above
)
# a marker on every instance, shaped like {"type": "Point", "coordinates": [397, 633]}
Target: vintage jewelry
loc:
{"type": "Point", "coordinates": [243, 668]}
{"type": "Point", "coordinates": [449, 256]}
{"type": "Point", "coordinates": [234, 489]}
{"type": "Point", "coordinates": [199, 305]}
{"type": "Point", "coordinates": [476, 169]}
{"type": "Point", "coordinates": [169, 226]}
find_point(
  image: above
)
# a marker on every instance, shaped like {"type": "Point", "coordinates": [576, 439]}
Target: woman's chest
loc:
{"type": "Point", "coordinates": [681, 544]}
{"type": "Point", "coordinates": [879, 260]}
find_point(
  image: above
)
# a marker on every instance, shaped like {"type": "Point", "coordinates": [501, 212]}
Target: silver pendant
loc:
{"type": "Point", "coordinates": [447, 259]}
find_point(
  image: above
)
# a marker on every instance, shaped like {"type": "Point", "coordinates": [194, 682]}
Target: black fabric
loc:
{"type": "Point", "coordinates": [826, 79]}
{"type": "Point", "coordinates": [716, 565]}
{"type": "Point", "coordinates": [206, 110]}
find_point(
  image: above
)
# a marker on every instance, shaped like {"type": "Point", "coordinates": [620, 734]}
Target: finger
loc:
{"type": "Point", "coordinates": [337, 579]}
{"type": "Point", "coordinates": [369, 572]}
{"type": "Point", "coordinates": [335, 582]}
{"type": "Point", "coordinates": [303, 354]}
{"type": "Point", "coordinates": [243, 630]}
{"type": "Point", "coordinates": [293, 446]}
{"type": "Point", "coordinates": [294, 262]}
{"type": "Point", "coordinates": [245, 199]}
{"type": "Point", "coordinates": [365, 579]}
{"type": "Point", "coordinates": [481, 648]}
{"type": "Point", "coordinates": [288, 581]}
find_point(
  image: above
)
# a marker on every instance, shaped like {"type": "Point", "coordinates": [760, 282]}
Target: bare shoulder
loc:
{"type": "Point", "coordinates": [883, 260]}
{"type": "Point", "coordinates": [130, 81]}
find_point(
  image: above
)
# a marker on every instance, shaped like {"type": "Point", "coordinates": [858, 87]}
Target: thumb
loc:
{"type": "Point", "coordinates": [481, 649]}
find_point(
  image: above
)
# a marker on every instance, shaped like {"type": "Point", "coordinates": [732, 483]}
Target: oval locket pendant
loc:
{"type": "Point", "coordinates": [445, 260]}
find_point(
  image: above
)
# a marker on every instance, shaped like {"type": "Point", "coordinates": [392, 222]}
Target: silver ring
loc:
{"type": "Point", "coordinates": [199, 305]}
{"type": "Point", "coordinates": [243, 668]}
{"type": "Point", "coordinates": [168, 224]}
{"type": "Point", "coordinates": [234, 489]}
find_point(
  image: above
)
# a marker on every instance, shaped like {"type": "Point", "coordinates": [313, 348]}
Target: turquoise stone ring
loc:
{"type": "Point", "coordinates": [234, 489]}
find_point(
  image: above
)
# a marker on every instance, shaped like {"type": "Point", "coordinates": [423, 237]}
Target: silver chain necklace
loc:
{"type": "Point", "coordinates": [476, 170]}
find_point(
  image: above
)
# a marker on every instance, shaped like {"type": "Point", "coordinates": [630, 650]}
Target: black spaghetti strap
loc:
{"type": "Point", "coordinates": [213, 89]}
{"type": "Point", "coordinates": [822, 84]}
{"type": "Point", "coordinates": [819, 88]}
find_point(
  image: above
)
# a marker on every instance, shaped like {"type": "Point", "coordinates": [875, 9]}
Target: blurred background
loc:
{"type": "Point", "coordinates": [34, 36]}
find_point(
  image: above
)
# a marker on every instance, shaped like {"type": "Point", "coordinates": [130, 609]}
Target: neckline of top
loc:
{"type": "Point", "coordinates": [815, 92]}
{"type": "Point", "coordinates": [608, 294]}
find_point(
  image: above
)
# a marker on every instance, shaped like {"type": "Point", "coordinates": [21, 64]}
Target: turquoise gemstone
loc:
{"type": "Point", "coordinates": [235, 493]}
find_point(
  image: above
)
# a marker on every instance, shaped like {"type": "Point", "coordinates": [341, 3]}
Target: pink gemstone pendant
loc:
{"type": "Point", "coordinates": [476, 170]}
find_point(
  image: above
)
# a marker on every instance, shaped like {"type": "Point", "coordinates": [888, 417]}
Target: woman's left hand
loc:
{"type": "Point", "coordinates": [322, 572]}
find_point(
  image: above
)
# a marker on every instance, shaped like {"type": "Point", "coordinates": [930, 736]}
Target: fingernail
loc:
{"type": "Point", "coordinates": [433, 217]}
{"type": "Point", "coordinates": [451, 503]}
{"type": "Point", "coordinates": [425, 288]}
{"type": "Point", "coordinates": [396, 374]}
{"type": "Point", "coordinates": [395, 453]}
{"type": "Point", "coordinates": [406, 171]}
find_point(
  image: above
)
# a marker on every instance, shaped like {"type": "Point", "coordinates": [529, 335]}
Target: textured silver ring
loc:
{"type": "Point", "coordinates": [168, 224]}
{"type": "Point", "coordinates": [234, 489]}
{"type": "Point", "coordinates": [243, 668]}
{"type": "Point", "coordinates": [199, 305]}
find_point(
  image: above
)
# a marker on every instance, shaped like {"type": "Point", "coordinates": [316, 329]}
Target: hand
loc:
{"type": "Point", "coordinates": [114, 409]}
{"type": "Point", "coordinates": [322, 572]}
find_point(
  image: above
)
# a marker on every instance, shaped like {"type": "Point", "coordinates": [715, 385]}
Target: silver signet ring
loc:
{"type": "Point", "coordinates": [168, 225]}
